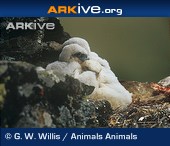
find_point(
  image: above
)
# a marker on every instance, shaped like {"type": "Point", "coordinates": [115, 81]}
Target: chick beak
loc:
{"type": "Point", "coordinates": [83, 57]}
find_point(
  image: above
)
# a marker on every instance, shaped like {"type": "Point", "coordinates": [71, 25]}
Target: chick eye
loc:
{"type": "Point", "coordinates": [78, 54]}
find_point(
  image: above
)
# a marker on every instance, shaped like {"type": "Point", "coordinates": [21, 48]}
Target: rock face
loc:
{"type": "Point", "coordinates": [31, 98]}
{"type": "Point", "coordinates": [27, 101]}
{"type": "Point", "coordinates": [35, 98]}
{"type": "Point", "coordinates": [38, 47]}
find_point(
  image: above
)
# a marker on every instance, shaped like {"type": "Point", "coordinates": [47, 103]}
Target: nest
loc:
{"type": "Point", "coordinates": [150, 109]}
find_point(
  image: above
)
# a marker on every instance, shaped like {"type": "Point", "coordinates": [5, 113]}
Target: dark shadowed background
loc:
{"type": "Point", "coordinates": [136, 48]}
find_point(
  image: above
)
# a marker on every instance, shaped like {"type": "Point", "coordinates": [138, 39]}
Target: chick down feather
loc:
{"type": "Point", "coordinates": [107, 86]}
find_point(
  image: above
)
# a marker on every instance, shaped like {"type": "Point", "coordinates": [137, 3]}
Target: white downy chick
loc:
{"type": "Point", "coordinates": [72, 60]}
{"type": "Point", "coordinates": [69, 61]}
{"type": "Point", "coordinates": [108, 86]}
